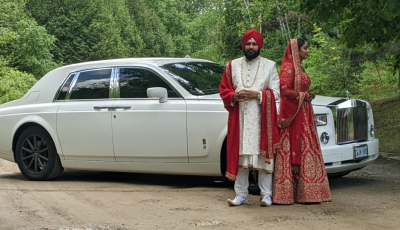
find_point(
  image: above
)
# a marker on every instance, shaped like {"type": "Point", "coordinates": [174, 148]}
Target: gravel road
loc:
{"type": "Point", "coordinates": [80, 200]}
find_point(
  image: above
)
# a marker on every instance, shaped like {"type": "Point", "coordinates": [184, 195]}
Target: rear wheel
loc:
{"type": "Point", "coordinates": [36, 155]}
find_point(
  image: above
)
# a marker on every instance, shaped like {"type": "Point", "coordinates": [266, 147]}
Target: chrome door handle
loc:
{"type": "Point", "coordinates": [102, 107]}
{"type": "Point", "coordinates": [121, 107]}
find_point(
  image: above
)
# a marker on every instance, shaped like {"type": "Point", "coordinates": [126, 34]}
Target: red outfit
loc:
{"type": "Point", "coordinates": [269, 129]}
{"type": "Point", "coordinates": [300, 174]}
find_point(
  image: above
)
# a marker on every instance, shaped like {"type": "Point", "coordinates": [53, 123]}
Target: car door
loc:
{"type": "Point", "coordinates": [145, 130]}
{"type": "Point", "coordinates": [84, 119]}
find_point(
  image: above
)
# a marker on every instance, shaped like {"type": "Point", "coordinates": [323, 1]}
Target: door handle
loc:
{"type": "Point", "coordinates": [112, 107]}
{"type": "Point", "coordinates": [121, 107]}
{"type": "Point", "coordinates": [102, 107]}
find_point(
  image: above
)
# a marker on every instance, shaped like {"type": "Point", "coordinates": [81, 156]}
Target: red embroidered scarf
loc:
{"type": "Point", "coordinates": [291, 97]}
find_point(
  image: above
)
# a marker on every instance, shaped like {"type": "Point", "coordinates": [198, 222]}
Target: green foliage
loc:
{"type": "Point", "coordinates": [35, 35]}
{"type": "Point", "coordinates": [157, 42]}
{"type": "Point", "coordinates": [88, 30]}
{"type": "Point", "coordinates": [207, 41]}
{"type": "Point", "coordinates": [378, 82]}
{"type": "Point", "coordinates": [360, 22]}
{"type": "Point", "coordinates": [176, 21]}
{"type": "Point", "coordinates": [331, 67]}
{"type": "Point", "coordinates": [23, 43]}
{"type": "Point", "coordinates": [231, 30]}
{"type": "Point", "coordinates": [13, 83]}
{"type": "Point", "coordinates": [387, 123]}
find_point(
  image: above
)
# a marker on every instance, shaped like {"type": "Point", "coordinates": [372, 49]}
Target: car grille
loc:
{"type": "Point", "coordinates": [351, 124]}
{"type": "Point", "coordinates": [351, 120]}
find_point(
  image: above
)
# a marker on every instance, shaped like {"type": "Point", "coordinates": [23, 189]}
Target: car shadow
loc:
{"type": "Point", "coordinates": [351, 182]}
{"type": "Point", "coordinates": [174, 181]}
{"type": "Point", "coordinates": [181, 181]}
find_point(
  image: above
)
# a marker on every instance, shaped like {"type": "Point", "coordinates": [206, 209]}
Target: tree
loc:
{"type": "Point", "coordinates": [157, 41]}
{"type": "Point", "coordinates": [360, 22]}
{"type": "Point", "coordinates": [23, 43]}
{"type": "Point", "coordinates": [13, 83]}
{"type": "Point", "coordinates": [88, 30]}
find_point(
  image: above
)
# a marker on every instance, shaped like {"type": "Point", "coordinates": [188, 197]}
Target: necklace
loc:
{"type": "Point", "coordinates": [255, 76]}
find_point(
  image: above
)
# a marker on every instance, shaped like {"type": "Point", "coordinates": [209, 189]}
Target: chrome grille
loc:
{"type": "Point", "coordinates": [351, 120]}
{"type": "Point", "coordinates": [351, 124]}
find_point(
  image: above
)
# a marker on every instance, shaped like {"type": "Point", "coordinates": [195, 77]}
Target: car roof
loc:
{"type": "Point", "coordinates": [55, 77]}
{"type": "Point", "coordinates": [156, 61]}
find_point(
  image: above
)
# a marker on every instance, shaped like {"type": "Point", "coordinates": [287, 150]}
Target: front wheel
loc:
{"type": "Point", "coordinates": [36, 155]}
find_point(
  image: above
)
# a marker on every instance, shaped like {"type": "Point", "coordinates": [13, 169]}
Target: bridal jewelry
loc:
{"type": "Point", "coordinates": [255, 76]}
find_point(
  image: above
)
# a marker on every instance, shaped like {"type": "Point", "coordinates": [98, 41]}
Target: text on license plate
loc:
{"type": "Point", "coordinates": [360, 151]}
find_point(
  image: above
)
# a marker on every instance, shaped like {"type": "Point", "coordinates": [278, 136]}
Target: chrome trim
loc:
{"type": "Point", "coordinates": [68, 96]}
{"type": "Point", "coordinates": [351, 120]}
{"type": "Point", "coordinates": [111, 93]}
{"type": "Point", "coordinates": [62, 86]}
{"type": "Point", "coordinates": [112, 107]}
{"type": "Point", "coordinates": [117, 92]}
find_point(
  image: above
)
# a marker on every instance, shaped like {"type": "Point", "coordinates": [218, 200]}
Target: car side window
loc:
{"type": "Point", "coordinates": [93, 84]}
{"type": "Point", "coordinates": [133, 83]}
{"type": "Point", "coordinates": [65, 88]}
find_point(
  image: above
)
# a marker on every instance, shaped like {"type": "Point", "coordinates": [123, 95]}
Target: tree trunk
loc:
{"type": "Point", "coordinates": [379, 74]}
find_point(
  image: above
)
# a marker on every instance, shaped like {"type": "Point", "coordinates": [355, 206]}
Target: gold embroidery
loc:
{"type": "Point", "coordinates": [230, 176]}
{"type": "Point", "coordinates": [255, 76]}
{"type": "Point", "coordinates": [296, 62]}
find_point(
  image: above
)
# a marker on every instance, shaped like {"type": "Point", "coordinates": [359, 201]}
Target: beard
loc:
{"type": "Point", "coordinates": [251, 56]}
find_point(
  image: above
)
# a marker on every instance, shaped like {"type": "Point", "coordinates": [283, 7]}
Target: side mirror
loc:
{"type": "Point", "coordinates": [158, 92]}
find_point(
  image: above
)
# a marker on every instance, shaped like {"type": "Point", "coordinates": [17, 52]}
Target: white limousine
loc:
{"type": "Point", "coordinates": [152, 115]}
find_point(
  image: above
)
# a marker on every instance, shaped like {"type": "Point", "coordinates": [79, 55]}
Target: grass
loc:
{"type": "Point", "coordinates": [387, 124]}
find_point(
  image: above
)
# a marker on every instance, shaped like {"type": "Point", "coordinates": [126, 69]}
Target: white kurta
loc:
{"type": "Point", "coordinates": [257, 75]}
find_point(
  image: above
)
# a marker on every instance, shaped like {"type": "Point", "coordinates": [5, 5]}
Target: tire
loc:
{"type": "Point", "coordinates": [36, 155]}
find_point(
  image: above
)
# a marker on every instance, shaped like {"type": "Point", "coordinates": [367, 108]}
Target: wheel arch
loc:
{"type": "Point", "coordinates": [26, 125]}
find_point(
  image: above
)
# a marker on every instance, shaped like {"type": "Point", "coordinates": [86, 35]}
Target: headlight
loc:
{"type": "Point", "coordinates": [324, 138]}
{"type": "Point", "coordinates": [321, 119]}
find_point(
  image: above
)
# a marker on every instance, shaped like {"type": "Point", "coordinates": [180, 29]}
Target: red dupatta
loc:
{"type": "Point", "coordinates": [291, 97]}
{"type": "Point", "coordinates": [269, 128]}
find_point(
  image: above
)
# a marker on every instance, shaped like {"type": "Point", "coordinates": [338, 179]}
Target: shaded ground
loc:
{"type": "Point", "coordinates": [366, 199]}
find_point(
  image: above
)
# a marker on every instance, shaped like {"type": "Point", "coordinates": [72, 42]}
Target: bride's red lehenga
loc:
{"type": "Point", "coordinates": [300, 174]}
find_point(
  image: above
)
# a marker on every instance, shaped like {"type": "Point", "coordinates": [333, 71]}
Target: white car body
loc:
{"type": "Point", "coordinates": [181, 135]}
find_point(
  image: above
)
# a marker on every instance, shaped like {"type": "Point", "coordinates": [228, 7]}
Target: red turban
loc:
{"type": "Point", "coordinates": [253, 34]}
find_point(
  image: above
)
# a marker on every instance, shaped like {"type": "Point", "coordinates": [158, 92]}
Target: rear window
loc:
{"type": "Point", "coordinates": [93, 84]}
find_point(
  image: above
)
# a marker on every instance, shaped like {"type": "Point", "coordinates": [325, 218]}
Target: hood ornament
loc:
{"type": "Point", "coordinates": [347, 95]}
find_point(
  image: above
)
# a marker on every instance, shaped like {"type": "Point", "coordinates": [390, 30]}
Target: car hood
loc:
{"type": "Point", "coordinates": [324, 100]}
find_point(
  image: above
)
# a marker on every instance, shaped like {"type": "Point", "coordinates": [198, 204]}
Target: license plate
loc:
{"type": "Point", "coordinates": [360, 152]}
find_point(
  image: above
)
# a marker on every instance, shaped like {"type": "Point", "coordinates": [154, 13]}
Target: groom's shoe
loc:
{"type": "Point", "coordinates": [266, 201]}
{"type": "Point", "coordinates": [239, 200]}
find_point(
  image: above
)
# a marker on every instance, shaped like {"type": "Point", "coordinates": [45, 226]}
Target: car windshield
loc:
{"type": "Point", "coordinates": [198, 78]}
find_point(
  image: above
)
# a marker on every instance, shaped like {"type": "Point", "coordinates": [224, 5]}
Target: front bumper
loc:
{"type": "Point", "coordinates": [340, 158]}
